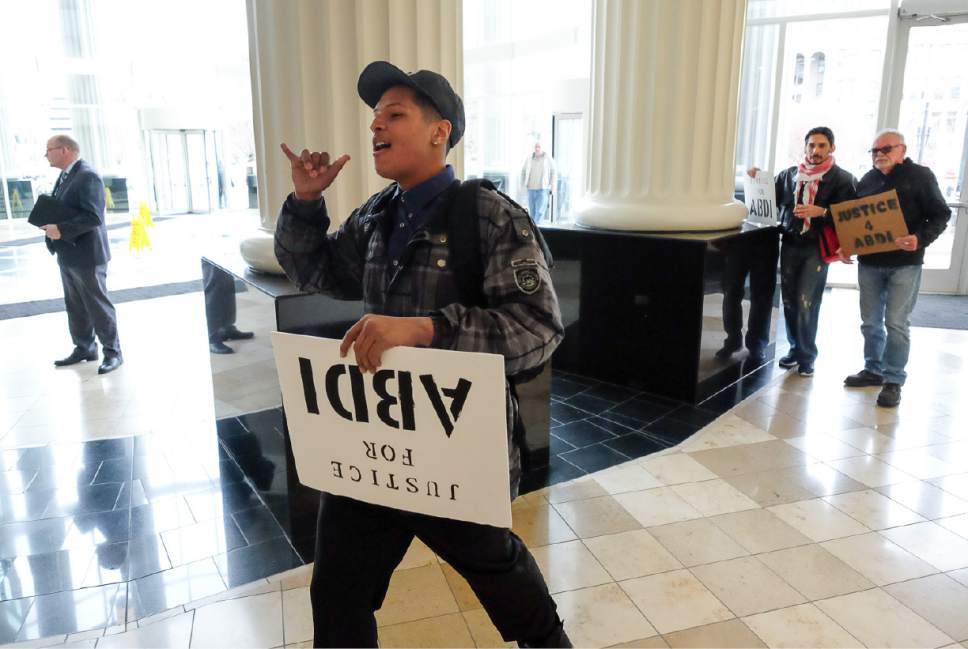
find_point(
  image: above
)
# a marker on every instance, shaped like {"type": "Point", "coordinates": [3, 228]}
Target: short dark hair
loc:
{"type": "Point", "coordinates": [427, 106]}
{"type": "Point", "coordinates": [820, 130]}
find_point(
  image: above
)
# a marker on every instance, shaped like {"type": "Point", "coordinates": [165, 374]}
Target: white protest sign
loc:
{"type": "Point", "coordinates": [426, 433]}
{"type": "Point", "coordinates": [760, 195]}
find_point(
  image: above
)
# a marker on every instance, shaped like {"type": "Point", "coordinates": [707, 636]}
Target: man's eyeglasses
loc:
{"type": "Point", "coordinates": [884, 149]}
{"type": "Point", "coordinates": [53, 148]}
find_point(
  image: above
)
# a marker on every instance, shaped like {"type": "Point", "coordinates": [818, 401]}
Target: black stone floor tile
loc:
{"type": "Point", "coordinates": [13, 613]}
{"type": "Point", "coordinates": [206, 539]}
{"type": "Point", "coordinates": [62, 476]}
{"type": "Point", "coordinates": [13, 483]}
{"type": "Point", "coordinates": [33, 537]}
{"type": "Point", "coordinates": [558, 445]}
{"type": "Point", "coordinates": [305, 547]}
{"type": "Point", "coordinates": [106, 449]}
{"type": "Point", "coordinates": [631, 423]}
{"type": "Point", "coordinates": [71, 611]}
{"type": "Point", "coordinates": [257, 524]}
{"type": "Point", "coordinates": [562, 388]}
{"type": "Point", "coordinates": [43, 574]}
{"type": "Point", "coordinates": [166, 589]}
{"type": "Point", "coordinates": [614, 427]}
{"type": "Point", "coordinates": [85, 500]}
{"type": "Point", "coordinates": [132, 495]}
{"type": "Point", "coordinates": [590, 404]}
{"type": "Point", "coordinates": [635, 445]}
{"type": "Point", "coordinates": [693, 415]}
{"type": "Point", "coordinates": [582, 433]}
{"type": "Point", "coordinates": [150, 468]}
{"type": "Point", "coordinates": [101, 527]}
{"type": "Point", "coordinates": [257, 561]}
{"type": "Point", "coordinates": [226, 500]}
{"type": "Point", "coordinates": [126, 560]}
{"type": "Point", "coordinates": [671, 430]}
{"type": "Point", "coordinates": [558, 470]}
{"type": "Point", "coordinates": [114, 470]}
{"type": "Point", "coordinates": [644, 408]}
{"type": "Point", "coordinates": [230, 427]}
{"type": "Point", "coordinates": [565, 413]}
{"type": "Point", "coordinates": [226, 472]}
{"type": "Point", "coordinates": [161, 515]}
{"type": "Point", "coordinates": [611, 392]}
{"type": "Point", "coordinates": [265, 420]}
{"type": "Point", "coordinates": [28, 506]}
{"type": "Point", "coordinates": [38, 457]}
{"type": "Point", "coordinates": [594, 458]}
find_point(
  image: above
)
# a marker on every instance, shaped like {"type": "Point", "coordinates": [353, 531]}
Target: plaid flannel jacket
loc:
{"type": "Point", "coordinates": [522, 321]}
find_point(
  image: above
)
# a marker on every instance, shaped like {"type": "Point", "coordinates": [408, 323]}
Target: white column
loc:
{"type": "Point", "coordinates": [662, 118]}
{"type": "Point", "coordinates": [305, 58]}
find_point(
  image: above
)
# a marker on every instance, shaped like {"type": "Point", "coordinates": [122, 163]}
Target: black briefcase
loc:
{"type": "Point", "coordinates": [47, 210]}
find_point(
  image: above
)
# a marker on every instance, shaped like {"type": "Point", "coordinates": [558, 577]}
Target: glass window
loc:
{"type": "Point", "coordinates": [94, 68]}
{"type": "Point", "coordinates": [785, 8]}
{"type": "Point", "coordinates": [524, 63]}
{"type": "Point", "coordinates": [757, 96]}
{"type": "Point", "coordinates": [850, 54]}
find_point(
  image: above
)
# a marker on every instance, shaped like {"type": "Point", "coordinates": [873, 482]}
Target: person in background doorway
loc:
{"type": "Point", "coordinates": [538, 176]}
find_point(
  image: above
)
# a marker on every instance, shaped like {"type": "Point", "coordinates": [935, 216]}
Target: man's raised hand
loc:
{"type": "Point", "coordinates": [312, 172]}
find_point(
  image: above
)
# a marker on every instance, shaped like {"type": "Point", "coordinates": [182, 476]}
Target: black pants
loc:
{"type": "Point", "coordinates": [219, 288]}
{"type": "Point", "coordinates": [358, 545]}
{"type": "Point", "coordinates": [758, 261]}
{"type": "Point", "coordinates": [89, 310]}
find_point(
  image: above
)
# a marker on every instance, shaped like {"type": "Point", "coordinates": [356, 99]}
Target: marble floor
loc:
{"type": "Point", "coordinates": [802, 515]}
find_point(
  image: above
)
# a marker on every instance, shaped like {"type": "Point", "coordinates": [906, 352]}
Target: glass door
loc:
{"type": "Point", "coordinates": [567, 148]}
{"type": "Point", "coordinates": [933, 116]}
{"type": "Point", "coordinates": [181, 162]}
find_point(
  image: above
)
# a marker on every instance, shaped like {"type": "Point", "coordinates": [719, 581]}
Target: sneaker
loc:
{"type": "Point", "coordinates": [726, 351]}
{"type": "Point", "coordinates": [788, 361]}
{"type": "Point", "coordinates": [863, 379]}
{"type": "Point", "coordinates": [805, 369]}
{"type": "Point", "coordinates": [890, 395]}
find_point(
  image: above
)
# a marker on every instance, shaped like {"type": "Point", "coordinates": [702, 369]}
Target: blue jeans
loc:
{"type": "Point", "coordinates": [537, 203]}
{"type": "Point", "coordinates": [887, 297]}
{"type": "Point", "coordinates": [803, 277]}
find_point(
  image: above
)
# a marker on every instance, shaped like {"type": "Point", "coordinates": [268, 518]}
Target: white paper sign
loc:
{"type": "Point", "coordinates": [760, 194]}
{"type": "Point", "coordinates": [426, 433]}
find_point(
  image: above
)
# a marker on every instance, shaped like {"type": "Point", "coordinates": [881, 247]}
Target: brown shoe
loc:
{"type": "Point", "coordinates": [890, 395]}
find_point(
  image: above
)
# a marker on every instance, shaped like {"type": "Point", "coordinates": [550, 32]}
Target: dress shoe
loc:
{"type": "Point", "coordinates": [788, 361]}
{"type": "Point", "coordinates": [77, 356]}
{"type": "Point", "coordinates": [219, 347]}
{"type": "Point", "coordinates": [231, 333]}
{"type": "Point", "coordinates": [890, 395]}
{"type": "Point", "coordinates": [727, 350]}
{"type": "Point", "coordinates": [110, 364]}
{"type": "Point", "coordinates": [863, 379]}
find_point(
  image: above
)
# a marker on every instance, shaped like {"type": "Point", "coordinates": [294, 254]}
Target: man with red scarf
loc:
{"type": "Point", "coordinates": [803, 195]}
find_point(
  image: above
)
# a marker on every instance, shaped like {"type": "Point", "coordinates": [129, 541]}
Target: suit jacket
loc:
{"type": "Point", "coordinates": [84, 237]}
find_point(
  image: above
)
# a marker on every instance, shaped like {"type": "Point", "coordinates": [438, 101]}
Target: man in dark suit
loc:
{"type": "Point", "coordinates": [80, 241]}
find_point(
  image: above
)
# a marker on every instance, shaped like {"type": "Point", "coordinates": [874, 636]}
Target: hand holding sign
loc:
{"type": "Point", "coordinates": [872, 224]}
{"type": "Point", "coordinates": [374, 334]}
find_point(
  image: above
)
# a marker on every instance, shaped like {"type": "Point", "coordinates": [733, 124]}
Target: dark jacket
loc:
{"type": "Point", "coordinates": [84, 237]}
{"type": "Point", "coordinates": [523, 324]}
{"type": "Point", "coordinates": [836, 186]}
{"type": "Point", "coordinates": [925, 211]}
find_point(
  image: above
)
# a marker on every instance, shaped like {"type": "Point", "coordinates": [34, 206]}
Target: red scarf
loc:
{"type": "Point", "coordinates": [808, 182]}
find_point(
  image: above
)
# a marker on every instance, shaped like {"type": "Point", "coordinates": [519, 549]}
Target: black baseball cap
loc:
{"type": "Point", "coordinates": [380, 76]}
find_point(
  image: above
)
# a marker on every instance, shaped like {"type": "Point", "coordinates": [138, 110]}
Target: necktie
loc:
{"type": "Point", "coordinates": [57, 184]}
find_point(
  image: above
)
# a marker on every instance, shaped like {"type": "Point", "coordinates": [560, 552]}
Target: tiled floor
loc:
{"type": "Point", "coordinates": [803, 516]}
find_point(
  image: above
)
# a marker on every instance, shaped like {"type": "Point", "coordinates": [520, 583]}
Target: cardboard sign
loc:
{"type": "Point", "coordinates": [870, 224]}
{"type": "Point", "coordinates": [426, 433]}
{"type": "Point", "coordinates": [760, 196]}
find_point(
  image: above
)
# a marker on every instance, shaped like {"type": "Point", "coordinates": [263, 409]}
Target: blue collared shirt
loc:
{"type": "Point", "coordinates": [410, 209]}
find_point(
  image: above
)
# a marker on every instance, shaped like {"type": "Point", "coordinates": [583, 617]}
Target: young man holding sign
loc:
{"type": "Point", "coordinates": [803, 195]}
{"type": "Point", "coordinates": [889, 281]}
{"type": "Point", "coordinates": [394, 251]}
